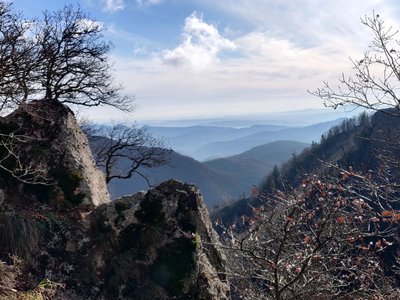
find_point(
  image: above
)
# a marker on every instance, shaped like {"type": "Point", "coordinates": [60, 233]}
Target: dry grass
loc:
{"type": "Point", "coordinates": [19, 236]}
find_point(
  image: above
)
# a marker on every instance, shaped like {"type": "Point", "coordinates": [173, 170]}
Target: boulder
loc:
{"type": "Point", "coordinates": [158, 245]}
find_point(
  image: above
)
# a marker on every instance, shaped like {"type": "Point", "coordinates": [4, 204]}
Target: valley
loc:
{"type": "Point", "coordinates": [224, 162]}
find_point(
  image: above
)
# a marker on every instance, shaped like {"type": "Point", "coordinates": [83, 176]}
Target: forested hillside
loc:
{"type": "Point", "coordinates": [349, 144]}
{"type": "Point", "coordinates": [250, 166]}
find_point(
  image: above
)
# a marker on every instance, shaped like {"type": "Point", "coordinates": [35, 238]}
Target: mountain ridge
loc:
{"type": "Point", "coordinates": [218, 185]}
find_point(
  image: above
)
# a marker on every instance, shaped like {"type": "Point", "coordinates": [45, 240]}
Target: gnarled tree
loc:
{"type": "Point", "coordinates": [122, 151]}
{"type": "Point", "coordinates": [72, 61]}
{"type": "Point", "coordinates": [60, 57]}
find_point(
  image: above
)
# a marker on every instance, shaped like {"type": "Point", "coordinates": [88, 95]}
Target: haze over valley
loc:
{"type": "Point", "coordinates": [222, 156]}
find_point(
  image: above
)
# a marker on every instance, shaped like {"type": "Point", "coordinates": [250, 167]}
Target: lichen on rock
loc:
{"type": "Point", "coordinates": [60, 151]}
{"type": "Point", "coordinates": [166, 243]}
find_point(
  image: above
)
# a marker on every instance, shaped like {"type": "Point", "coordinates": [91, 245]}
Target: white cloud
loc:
{"type": "Point", "coordinates": [268, 74]}
{"type": "Point", "coordinates": [201, 45]}
{"type": "Point", "coordinates": [309, 22]}
{"type": "Point", "coordinates": [114, 5]}
{"type": "Point", "coordinates": [88, 24]}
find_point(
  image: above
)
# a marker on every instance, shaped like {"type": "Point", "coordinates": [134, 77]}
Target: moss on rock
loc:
{"type": "Point", "coordinates": [69, 182]}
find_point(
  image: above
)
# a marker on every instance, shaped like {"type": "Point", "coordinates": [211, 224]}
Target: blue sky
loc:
{"type": "Point", "coordinates": [214, 58]}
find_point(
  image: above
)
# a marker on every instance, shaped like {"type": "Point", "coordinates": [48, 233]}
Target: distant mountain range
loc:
{"type": "Point", "coordinates": [251, 166]}
{"type": "Point", "coordinates": [220, 181]}
{"type": "Point", "coordinates": [208, 142]}
{"type": "Point", "coordinates": [242, 157]}
{"type": "Point", "coordinates": [363, 145]}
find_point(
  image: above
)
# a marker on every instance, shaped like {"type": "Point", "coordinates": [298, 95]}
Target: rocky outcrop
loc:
{"type": "Point", "coordinates": [165, 246]}
{"type": "Point", "coordinates": [64, 238]}
{"type": "Point", "coordinates": [58, 151]}
{"type": "Point", "coordinates": [158, 245]}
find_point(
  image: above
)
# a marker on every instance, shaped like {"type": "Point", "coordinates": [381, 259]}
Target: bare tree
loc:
{"type": "Point", "coordinates": [320, 241]}
{"type": "Point", "coordinates": [14, 163]}
{"type": "Point", "coordinates": [16, 58]}
{"type": "Point", "coordinates": [73, 61]}
{"type": "Point", "coordinates": [375, 83]}
{"type": "Point", "coordinates": [60, 57]}
{"type": "Point", "coordinates": [123, 150]}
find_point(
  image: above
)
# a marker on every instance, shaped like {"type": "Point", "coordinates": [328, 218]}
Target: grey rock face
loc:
{"type": "Point", "coordinates": [158, 245]}
{"type": "Point", "coordinates": [154, 245]}
{"type": "Point", "coordinates": [60, 148]}
{"type": "Point", "coordinates": [166, 246]}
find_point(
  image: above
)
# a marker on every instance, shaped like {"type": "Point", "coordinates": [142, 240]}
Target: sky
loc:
{"type": "Point", "coordinates": [214, 58]}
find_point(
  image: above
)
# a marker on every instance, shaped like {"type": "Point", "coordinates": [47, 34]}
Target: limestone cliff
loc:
{"type": "Point", "coordinates": [158, 245]}
{"type": "Point", "coordinates": [56, 144]}
{"type": "Point", "coordinates": [164, 246]}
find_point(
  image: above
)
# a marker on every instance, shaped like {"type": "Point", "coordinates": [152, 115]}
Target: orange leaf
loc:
{"type": "Point", "coordinates": [273, 265]}
{"type": "Point", "coordinates": [387, 213]}
{"type": "Point", "coordinates": [341, 220]}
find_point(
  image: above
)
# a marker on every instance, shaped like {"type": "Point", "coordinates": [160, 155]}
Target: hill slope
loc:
{"type": "Point", "coordinates": [187, 140]}
{"type": "Point", "coordinates": [220, 181]}
{"type": "Point", "coordinates": [216, 187]}
{"type": "Point", "coordinates": [209, 142]}
{"type": "Point", "coordinates": [354, 143]}
{"type": "Point", "coordinates": [251, 166]}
